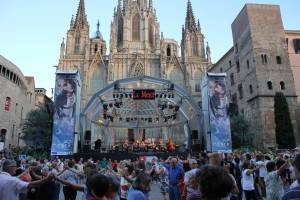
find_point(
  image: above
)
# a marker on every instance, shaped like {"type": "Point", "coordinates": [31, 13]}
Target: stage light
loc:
{"type": "Point", "coordinates": [126, 95]}
{"type": "Point", "coordinates": [172, 95]}
{"type": "Point", "coordinates": [161, 95]}
{"type": "Point", "coordinates": [165, 95]}
{"type": "Point", "coordinates": [120, 119]}
{"type": "Point", "coordinates": [117, 95]}
{"type": "Point", "coordinates": [171, 87]}
{"type": "Point", "coordinates": [150, 120]}
{"type": "Point", "coordinates": [104, 106]}
{"type": "Point", "coordinates": [127, 119]}
{"type": "Point", "coordinates": [156, 95]}
{"type": "Point", "coordinates": [142, 118]}
{"type": "Point", "coordinates": [130, 95]}
{"type": "Point", "coordinates": [135, 118]}
{"type": "Point", "coordinates": [174, 117]}
{"type": "Point", "coordinates": [166, 119]}
{"type": "Point", "coordinates": [116, 86]}
{"type": "Point", "coordinates": [157, 119]}
{"type": "Point", "coordinates": [176, 108]}
{"type": "Point", "coordinates": [110, 105]}
{"type": "Point", "coordinates": [114, 96]}
{"type": "Point", "coordinates": [169, 95]}
{"type": "Point", "coordinates": [121, 96]}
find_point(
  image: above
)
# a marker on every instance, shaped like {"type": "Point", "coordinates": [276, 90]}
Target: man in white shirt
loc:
{"type": "Point", "coordinates": [10, 186]}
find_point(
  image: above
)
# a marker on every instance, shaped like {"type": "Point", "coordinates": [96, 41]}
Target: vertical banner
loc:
{"type": "Point", "coordinates": [64, 117]}
{"type": "Point", "coordinates": [218, 127]}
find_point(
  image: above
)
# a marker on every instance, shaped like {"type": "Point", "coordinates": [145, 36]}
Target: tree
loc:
{"type": "Point", "coordinates": [239, 130]}
{"type": "Point", "coordinates": [37, 129]}
{"type": "Point", "coordinates": [284, 128]}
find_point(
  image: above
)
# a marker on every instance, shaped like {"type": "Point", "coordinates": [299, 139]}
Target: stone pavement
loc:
{"type": "Point", "coordinates": [154, 194]}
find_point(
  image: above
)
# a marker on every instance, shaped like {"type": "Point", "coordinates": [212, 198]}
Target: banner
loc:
{"type": "Point", "coordinates": [218, 131]}
{"type": "Point", "coordinates": [64, 117]}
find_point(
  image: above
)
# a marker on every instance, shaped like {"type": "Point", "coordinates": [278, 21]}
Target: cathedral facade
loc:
{"type": "Point", "coordinates": [136, 48]}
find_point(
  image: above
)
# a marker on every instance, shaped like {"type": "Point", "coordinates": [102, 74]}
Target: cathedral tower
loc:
{"type": "Point", "coordinates": [192, 43]}
{"type": "Point", "coordinates": [134, 28]}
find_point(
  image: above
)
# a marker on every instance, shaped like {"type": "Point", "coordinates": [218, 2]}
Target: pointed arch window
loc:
{"type": "Point", "coordinates": [136, 27]}
{"type": "Point", "coordinates": [120, 30]}
{"type": "Point", "coordinates": [96, 48]}
{"type": "Point", "coordinates": [282, 85]}
{"type": "Point", "coordinates": [151, 33]}
{"type": "Point", "coordinates": [168, 50]}
{"type": "Point", "coordinates": [270, 85]}
{"type": "Point", "coordinates": [77, 44]}
{"type": "Point", "coordinates": [194, 46]}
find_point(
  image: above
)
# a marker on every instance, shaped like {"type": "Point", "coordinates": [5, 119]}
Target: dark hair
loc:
{"type": "Point", "coordinates": [246, 165]}
{"type": "Point", "coordinates": [270, 166]}
{"type": "Point", "coordinates": [71, 163]}
{"type": "Point", "coordinates": [297, 162]}
{"type": "Point", "coordinates": [113, 182]}
{"type": "Point", "coordinates": [215, 182]}
{"type": "Point", "coordinates": [99, 184]}
{"type": "Point", "coordinates": [142, 181]}
{"type": "Point", "coordinates": [130, 169]}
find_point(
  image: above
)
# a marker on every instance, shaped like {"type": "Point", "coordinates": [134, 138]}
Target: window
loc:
{"type": "Point", "coordinates": [136, 27]}
{"type": "Point", "coordinates": [236, 48]}
{"type": "Point", "coordinates": [0, 68]}
{"type": "Point", "coordinates": [250, 89]}
{"type": "Point", "coordinates": [230, 63]}
{"type": "Point", "coordinates": [264, 59]}
{"type": "Point", "coordinates": [96, 48]}
{"type": "Point", "coordinates": [7, 104]}
{"type": "Point", "coordinates": [270, 85]}
{"type": "Point", "coordinates": [238, 66]}
{"type": "Point", "coordinates": [282, 86]}
{"type": "Point", "coordinates": [232, 79]}
{"type": "Point", "coordinates": [221, 69]}
{"type": "Point", "coordinates": [168, 50]}
{"type": "Point", "coordinates": [278, 60]}
{"type": "Point", "coordinates": [297, 45]}
{"type": "Point", "coordinates": [151, 33]}
{"type": "Point", "coordinates": [248, 64]}
{"type": "Point", "coordinates": [197, 87]}
{"type": "Point", "coordinates": [77, 43]}
{"type": "Point", "coordinates": [240, 89]}
{"type": "Point", "coordinates": [287, 42]}
{"type": "Point", "coordinates": [3, 71]}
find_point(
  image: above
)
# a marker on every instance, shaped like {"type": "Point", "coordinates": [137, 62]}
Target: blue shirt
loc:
{"type": "Point", "coordinates": [175, 174]}
{"type": "Point", "coordinates": [136, 195]}
{"type": "Point", "coordinates": [70, 176]}
{"type": "Point", "coordinates": [293, 193]}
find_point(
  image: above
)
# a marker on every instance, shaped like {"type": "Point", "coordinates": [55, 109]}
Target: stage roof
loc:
{"type": "Point", "coordinates": [141, 102]}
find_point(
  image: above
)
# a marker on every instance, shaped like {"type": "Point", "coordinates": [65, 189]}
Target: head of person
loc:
{"type": "Point", "coordinates": [98, 186]}
{"type": "Point", "coordinates": [246, 165]}
{"type": "Point", "coordinates": [113, 187]}
{"type": "Point", "coordinates": [71, 163]}
{"type": "Point", "coordinates": [215, 183]}
{"type": "Point", "coordinates": [215, 159]}
{"type": "Point", "coordinates": [194, 163]}
{"type": "Point", "coordinates": [271, 166]}
{"type": "Point", "coordinates": [9, 166]}
{"type": "Point", "coordinates": [142, 183]}
{"type": "Point", "coordinates": [174, 162]}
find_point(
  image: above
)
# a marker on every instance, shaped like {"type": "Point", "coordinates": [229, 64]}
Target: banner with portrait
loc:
{"type": "Point", "coordinates": [64, 117]}
{"type": "Point", "coordinates": [218, 127]}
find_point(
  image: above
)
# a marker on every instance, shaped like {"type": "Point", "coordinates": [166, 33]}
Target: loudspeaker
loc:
{"type": "Point", "coordinates": [194, 135]}
{"type": "Point", "coordinates": [87, 141]}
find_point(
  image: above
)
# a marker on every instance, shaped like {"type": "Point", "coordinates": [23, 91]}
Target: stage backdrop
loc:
{"type": "Point", "coordinates": [216, 120]}
{"type": "Point", "coordinates": [64, 117]}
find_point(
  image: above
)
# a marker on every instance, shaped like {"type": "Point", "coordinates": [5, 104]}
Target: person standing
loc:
{"type": "Point", "coordinates": [10, 186]}
{"type": "Point", "coordinates": [175, 172]}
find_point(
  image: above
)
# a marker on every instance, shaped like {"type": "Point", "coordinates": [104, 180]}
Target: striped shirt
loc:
{"type": "Point", "coordinates": [292, 194]}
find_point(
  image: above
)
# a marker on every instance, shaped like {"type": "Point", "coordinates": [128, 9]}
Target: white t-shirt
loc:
{"type": "Point", "coordinates": [189, 174]}
{"type": "Point", "coordinates": [11, 187]}
{"type": "Point", "coordinates": [247, 181]}
{"type": "Point", "coordinates": [262, 169]}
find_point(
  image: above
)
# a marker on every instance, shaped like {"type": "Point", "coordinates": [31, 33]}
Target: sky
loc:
{"type": "Point", "coordinates": [31, 31]}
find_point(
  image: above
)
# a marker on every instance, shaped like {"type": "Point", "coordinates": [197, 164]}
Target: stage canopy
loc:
{"type": "Point", "coordinates": [141, 102]}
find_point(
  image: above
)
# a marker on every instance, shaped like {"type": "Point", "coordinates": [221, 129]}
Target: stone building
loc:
{"type": "Point", "coordinates": [293, 44]}
{"type": "Point", "coordinates": [17, 98]}
{"type": "Point", "coordinates": [42, 100]}
{"type": "Point", "coordinates": [136, 48]}
{"type": "Point", "coordinates": [258, 66]}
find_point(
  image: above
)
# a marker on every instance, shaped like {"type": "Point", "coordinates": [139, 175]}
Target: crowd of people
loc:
{"type": "Point", "coordinates": [205, 176]}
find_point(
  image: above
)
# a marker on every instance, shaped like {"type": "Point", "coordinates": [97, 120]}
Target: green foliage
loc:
{"type": "Point", "coordinates": [239, 131]}
{"type": "Point", "coordinates": [284, 128]}
{"type": "Point", "coordinates": [37, 129]}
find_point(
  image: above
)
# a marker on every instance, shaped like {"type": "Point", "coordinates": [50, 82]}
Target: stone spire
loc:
{"type": "Point", "coordinates": [72, 22]}
{"type": "Point", "coordinates": [98, 33]}
{"type": "Point", "coordinates": [190, 19]}
{"type": "Point", "coordinates": [198, 26]}
{"type": "Point", "coordinates": [62, 49]}
{"type": "Point", "coordinates": [81, 19]}
{"type": "Point", "coordinates": [208, 53]}
{"type": "Point", "coordinates": [119, 8]}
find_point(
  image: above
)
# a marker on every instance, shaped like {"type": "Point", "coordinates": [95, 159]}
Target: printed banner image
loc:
{"type": "Point", "coordinates": [64, 114]}
{"type": "Point", "coordinates": [218, 119]}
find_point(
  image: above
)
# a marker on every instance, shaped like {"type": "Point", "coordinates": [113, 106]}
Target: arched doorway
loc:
{"type": "Point", "coordinates": [141, 109]}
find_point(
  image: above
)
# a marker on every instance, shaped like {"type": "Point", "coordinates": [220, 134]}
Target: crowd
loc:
{"type": "Point", "coordinates": [212, 176]}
